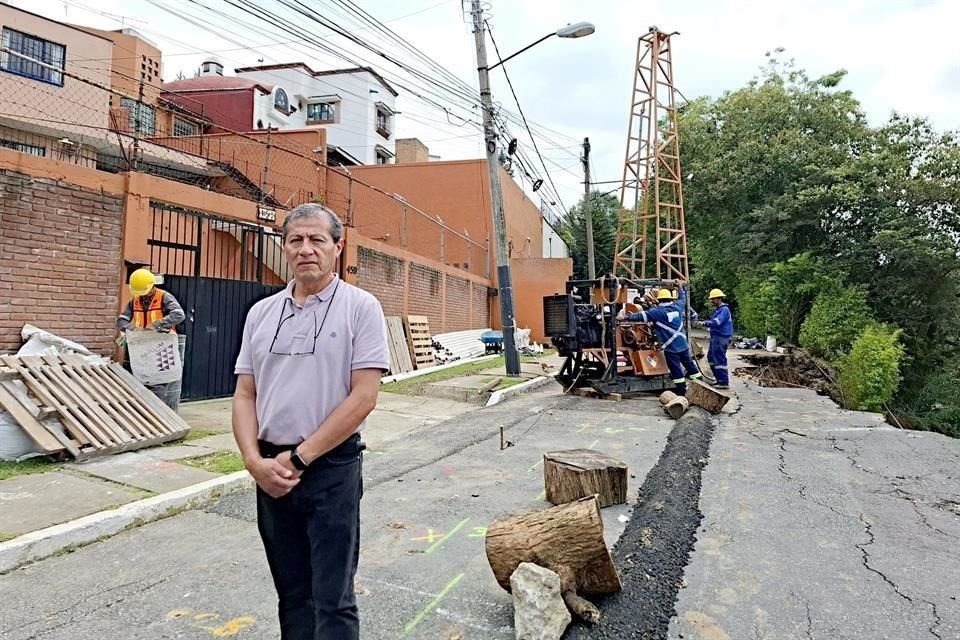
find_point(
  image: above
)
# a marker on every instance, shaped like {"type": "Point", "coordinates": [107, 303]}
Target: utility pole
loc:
{"type": "Point", "coordinates": [507, 320]}
{"type": "Point", "coordinates": [588, 208]}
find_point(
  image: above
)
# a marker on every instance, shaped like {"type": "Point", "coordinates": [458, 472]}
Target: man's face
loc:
{"type": "Point", "coordinates": [716, 301]}
{"type": "Point", "coordinates": [310, 250]}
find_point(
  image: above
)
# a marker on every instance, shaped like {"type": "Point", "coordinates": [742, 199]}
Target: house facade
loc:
{"type": "Point", "coordinates": [47, 111]}
{"type": "Point", "coordinates": [356, 106]}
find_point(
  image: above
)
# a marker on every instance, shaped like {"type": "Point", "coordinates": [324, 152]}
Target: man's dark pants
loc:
{"type": "Point", "coordinates": [717, 357]}
{"type": "Point", "coordinates": [312, 540]}
{"type": "Point", "coordinates": [677, 362]}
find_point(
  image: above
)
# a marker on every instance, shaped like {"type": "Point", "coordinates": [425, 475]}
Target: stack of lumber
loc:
{"type": "Point", "coordinates": [418, 339]}
{"type": "Point", "coordinates": [459, 345]}
{"type": "Point", "coordinates": [400, 361]}
{"type": "Point", "coordinates": [99, 408]}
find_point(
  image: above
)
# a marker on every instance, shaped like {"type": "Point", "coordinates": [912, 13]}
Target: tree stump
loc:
{"type": "Point", "coordinates": [568, 540]}
{"type": "Point", "coordinates": [578, 473]}
{"type": "Point", "coordinates": [701, 395]}
{"type": "Point", "coordinates": [673, 404]}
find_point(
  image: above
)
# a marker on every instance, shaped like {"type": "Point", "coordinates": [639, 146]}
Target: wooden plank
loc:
{"type": "Point", "coordinates": [145, 419]}
{"type": "Point", "coordinates": [37, 386]}
{"type": "Point", "coordinates": [398, 337]}
{"type": "Point", "coordinates": [95, 413]}
{"type": "Point", "coordinates": [33, 427]}
{"type": "Point", "coordinates": [131, 385]}
{"type": "Point", "coordinates": [69, 398]}
{"type": "Point", "coordinates": [95, 400]}
{"type": "Point", "coordinates": [419, 341]}
{"type": "Point", "coordinates": [130, 421]}
{"type": "Point", "coordinates": [142, 419]}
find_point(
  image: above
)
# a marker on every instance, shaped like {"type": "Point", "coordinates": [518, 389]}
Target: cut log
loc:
{"type": "Point", "coordinates": [568, 540]}
{"type": "Point", "coordinates": [702, 395]}
{"type": "Point", "coordinates": [673, 404]}
{"type": "Point", "coordinates": [578, 473]}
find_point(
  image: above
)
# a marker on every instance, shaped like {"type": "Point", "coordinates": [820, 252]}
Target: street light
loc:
{"type": "Point", "coordinates": [576, 30]}
{"type": "Point", "coordinates": [507, 320]}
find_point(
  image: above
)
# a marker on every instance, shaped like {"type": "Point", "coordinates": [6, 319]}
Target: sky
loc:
{"type": "Point", "coordinates": [901, 55]}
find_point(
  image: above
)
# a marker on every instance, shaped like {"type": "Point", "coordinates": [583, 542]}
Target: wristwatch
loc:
{"type": "Point", "coordinates": [297, 461]}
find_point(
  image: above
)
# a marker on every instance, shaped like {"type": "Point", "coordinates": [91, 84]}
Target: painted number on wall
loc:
{"type": "Point", "coordinates": [352, 269]}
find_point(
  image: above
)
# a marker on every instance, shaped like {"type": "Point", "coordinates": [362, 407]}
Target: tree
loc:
{"type": "Point", "coordinates": [181, 75]}
{"type": "Point", "coordinates": [788, 166]}
{"type": "Point", "coordinates": [604, 208]}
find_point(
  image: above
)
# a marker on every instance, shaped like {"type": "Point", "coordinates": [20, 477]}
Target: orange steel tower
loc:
{"type": "Point", "coordinates": [651, 196]}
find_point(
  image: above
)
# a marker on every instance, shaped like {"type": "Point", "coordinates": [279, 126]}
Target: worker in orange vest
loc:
{"type": "Point", "coordinates": [150, 307]}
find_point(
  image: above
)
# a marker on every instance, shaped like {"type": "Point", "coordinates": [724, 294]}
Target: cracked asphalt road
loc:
{"type": "Point", "coordinates": [816, 524]}
{"type": "Point", "coordinates": [822, 523]}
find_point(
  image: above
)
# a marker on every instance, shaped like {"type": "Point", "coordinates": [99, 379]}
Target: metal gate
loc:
{"type": "Point", "coordinates": [217, 269]}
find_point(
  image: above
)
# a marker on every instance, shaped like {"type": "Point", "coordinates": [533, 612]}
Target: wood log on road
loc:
{"type": "Point", "coordinates": [568, 540]}
{"type": "Point", "coordinates": [578, 473]}
{"type": "Point", "coordinates": [673, 404]}
{"type": "Point", "coordinates": [702, 395]}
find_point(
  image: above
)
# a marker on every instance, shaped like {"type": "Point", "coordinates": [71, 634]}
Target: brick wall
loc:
{"type": "Point", "coordinates": [59, 261]}
{"type": "Point", "coordinates": [425, 292]}
{"type": "Point", "coordinates": [381, 275]}
{"type": "Point", "coordinates": [458, 304]}
{"type": "Point", "coordinates": [481, 307]}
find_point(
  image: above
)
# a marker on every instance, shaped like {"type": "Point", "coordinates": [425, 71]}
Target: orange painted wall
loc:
{"type": "Point", "coordinates": [296, 171]}
{"type": "Point", "coordinates": [458, 191]}
{"type": "Point", "coordinates": [533, 279]}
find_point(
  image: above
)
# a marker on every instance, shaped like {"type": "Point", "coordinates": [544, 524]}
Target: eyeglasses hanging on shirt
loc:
{"type": "Point", "coordinates": [286, 342]}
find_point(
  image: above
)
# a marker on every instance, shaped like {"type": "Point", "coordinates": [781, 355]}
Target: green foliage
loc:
{"type": "Point", "coordinates": [573, 230]}
{"type": "Point", "coordinates": [870, 373]}
{"type": "Point", "coordinates": [778, 302]}
{"type": "Point", "coordinates": [788, 166]}
{"type": "Point", "coordinates": [838, 316]}
{"type": "Point", "coordinates": [936, 405]}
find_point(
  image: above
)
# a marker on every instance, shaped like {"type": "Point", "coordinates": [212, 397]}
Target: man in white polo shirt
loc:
{"type": "Point", "coordinates": [308, 374]}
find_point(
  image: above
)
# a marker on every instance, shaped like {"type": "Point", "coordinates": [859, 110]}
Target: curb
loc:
{"type": "Point", "coordinates": [416, 373]}
{"type": "Point", "coordinates": [43, 543]}
{"type": "Point", "coordinates": [499, 396]}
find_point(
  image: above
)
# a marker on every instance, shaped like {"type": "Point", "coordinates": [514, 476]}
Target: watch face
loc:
{"type": "Point", "coordinates": [298, 461]}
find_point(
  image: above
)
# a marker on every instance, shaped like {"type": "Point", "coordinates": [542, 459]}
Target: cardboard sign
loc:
{"type": "Point", "coordinates": [154, 356]}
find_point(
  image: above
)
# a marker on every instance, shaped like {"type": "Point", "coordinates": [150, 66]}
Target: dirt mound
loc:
{"type": "Point", "coordinates": [798, 370]}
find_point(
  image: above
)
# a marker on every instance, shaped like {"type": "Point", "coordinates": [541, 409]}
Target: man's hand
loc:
{"type": "Point", "coordinates": [158, 326]}
{"type": "Point", "coordinates": [276, 476]}
{"type": "Point", "coordinates": [622, 313]}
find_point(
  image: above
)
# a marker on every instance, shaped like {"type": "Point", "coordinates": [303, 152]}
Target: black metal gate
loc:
{"type": "Point", "coordinates": [217, 269]}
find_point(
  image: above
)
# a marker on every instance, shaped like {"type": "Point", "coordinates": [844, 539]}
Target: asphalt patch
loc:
{"type": "Point", "coordinates": [656, 544]}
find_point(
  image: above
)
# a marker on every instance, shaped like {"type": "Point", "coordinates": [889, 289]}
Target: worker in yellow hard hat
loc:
{"type": "Point", "coordinates": [667, 320]}
{"type": "Point", "coordinates": [720, 325]}
{"type": "Point", "coordinates": [149, 307]}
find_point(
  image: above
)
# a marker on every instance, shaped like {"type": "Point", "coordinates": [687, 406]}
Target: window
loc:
{"type": "Point", "coordinates": [45, 51]}
{"type": "Point", "coordinates": [281, 102]}
{"type": "Point", "coordinates": [147, 116]}
{"type": "Point", "coordinates": [382, 158]}
{"type": "Point", "coordinates": [322, 112]}
{"type": "Point", "coordinates": [24, 148]}
{"type": "Point", "coordinates": [383, 123]}
{"type": "Point", "coordinates": [184, 128]}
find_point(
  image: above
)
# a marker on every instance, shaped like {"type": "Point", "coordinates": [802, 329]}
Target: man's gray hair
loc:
{"type": "Point", "coordinates": [314, 210]}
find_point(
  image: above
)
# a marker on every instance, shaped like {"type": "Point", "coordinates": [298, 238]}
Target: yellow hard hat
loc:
{"type": "Point", "coordinates": [664, 294]}
{"type": "Point", "coordinates": [141, 282]}
{"type": "Point", "coordinates": [716, 293]}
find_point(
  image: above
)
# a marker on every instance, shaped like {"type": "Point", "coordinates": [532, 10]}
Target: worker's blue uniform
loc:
{"type": "Point", "coordinates": [667, 319]}
{"type": "Point", "coordinates": [720, 325]}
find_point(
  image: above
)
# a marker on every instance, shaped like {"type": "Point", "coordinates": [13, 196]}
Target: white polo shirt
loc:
{"type": "Point", "coordinates": [301, 358]}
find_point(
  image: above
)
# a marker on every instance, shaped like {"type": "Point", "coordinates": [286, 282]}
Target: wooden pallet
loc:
{"type": "Point", "coordinates": [399, 350]}
{"type": "Point", "coordinates": [419, 340]}
{"type": "Point", "coordinates": [102, 408]}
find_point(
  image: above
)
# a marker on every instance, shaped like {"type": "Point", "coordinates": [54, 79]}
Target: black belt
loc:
{"type": "Point", "coordinates": [349, 446]}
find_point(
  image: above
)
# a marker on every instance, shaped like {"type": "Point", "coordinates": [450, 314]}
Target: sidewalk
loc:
{"type": "Point", "coordinates": [204, 463]}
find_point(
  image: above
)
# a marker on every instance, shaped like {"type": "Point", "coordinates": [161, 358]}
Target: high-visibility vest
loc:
{"type": "Point", "coordinates": [143, 318]}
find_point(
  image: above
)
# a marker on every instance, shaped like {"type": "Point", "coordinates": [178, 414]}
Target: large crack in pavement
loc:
{"type": "Point", "coordinates": [868, 528]}
{"type": "Point", "coordinates": [655, 547]}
